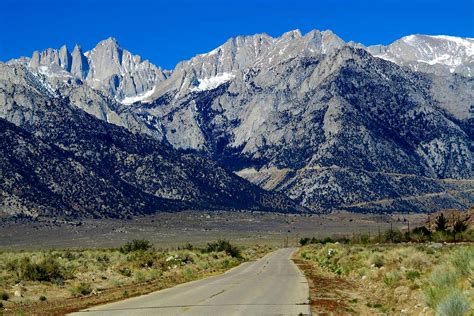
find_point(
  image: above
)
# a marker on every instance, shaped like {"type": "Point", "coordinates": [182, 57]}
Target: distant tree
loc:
{"type": "Point", "coordinates": [441, 223]}
{"type": "Point", "coordinates": [327, 240]}
{"type": "Point", "coordinates": [458, 227]}
{"type": "Point", "coordinates": [304, 241]}
{"type": "Point", "coordinates": [136, 245]}
{"type": "Point", "coordinates": [365, 238]}
{"type": "Point", "coordinates": [224, 245]}
{"type": "Point", "coordinates": [422, 230]}
{"type": "Point", "coordinates": [420, 234]}
{"type": "Point", "coordinates": [393, 235]}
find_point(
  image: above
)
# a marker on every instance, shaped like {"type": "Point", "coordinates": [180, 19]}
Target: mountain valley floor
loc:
{"type": "Point", "coordinates": [171, 230]}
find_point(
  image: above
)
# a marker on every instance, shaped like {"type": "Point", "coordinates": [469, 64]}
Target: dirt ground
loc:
{"type": "Point", "coordinates": [168, 230]}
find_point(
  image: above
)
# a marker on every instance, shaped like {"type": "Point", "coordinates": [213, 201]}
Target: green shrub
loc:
{"type": "Point", "coordinates": [69, 255]}
{"type": "Point", "coordinates": [374, 305]}
{"type": "Point", "coordinates": [188, 274]}
{"type": "Point", "coordinates": [42, 298]}
{"type": "Point", "coordinates": [187, 258]}
{"type": "Point", "coordinates": [377, 261]}
{"type": "Point", "coordinates": [433, 296]}
{"type": "Point", "coordinates": [305, 255]}
{"type": "Point", "coordinates": [393, 235]}
{"type": "Point", "coordinates": [443, 277]}
{"type": "Point", "coordinates": [125, 272]}
{"type": "Point", "coordinates": [422, 232]}
{"type": "Point", "coordinates": [1, 305]}
{"type": "Point", "coordinates": [412, 275]}
{"type": "Point", "coordinates": [326, 240]}
{"type": "Point", "coordinates": [418, 261]}
{"type": "Point", "coordinates": [154, 274]}
{"type": "Point", "coordinates": [136, 245]}
{"type": "Point", "coordinates": [454, 304]}
{"type": "Point", "coordinates": [188, 246]}
{"type": "Point", "coordinates": [440, 236]}
{"type": "Point", "coordinates": [228, 263]}
{"type": "Point", "coordinates": [4, 296]}
{"type": "Point", "coordinates": [442, 282]}
{"type": "Point", "coordinates": [139, 277]}
{"type": "Point", "coordinates": [103, 259]}
{"type": "Point", "coordinates": [46, 270]}
{"type": "Point", "coordinates": [82, 289]}
{"type": "Point", "coordinates": [463, 260]}
{"type": "Point", "coordinates": [125, 293]}
{"type": "Point", "coordinates": [304, 241]}
{"type": "Point", "coordinates": [58, 281]}
{"type": "Point", "coordinates": [12, 265]}
{"type": "Point", "coordinates": [391, 278]}
{"type": "Point", "coordinates": [143, 259]}
{"type": "Point", "coordinates": [224, 245]}
{"type": "Point", "coordinates": [364, 238]}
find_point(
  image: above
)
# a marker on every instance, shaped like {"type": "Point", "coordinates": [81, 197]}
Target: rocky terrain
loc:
{"type": "Point", "coordinates": [60, 161]}
{"type": "Point", "coordinates": [331, 125]}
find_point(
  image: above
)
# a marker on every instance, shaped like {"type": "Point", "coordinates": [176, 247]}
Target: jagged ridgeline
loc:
{"type": "Point", "coordinates": [315, 123]}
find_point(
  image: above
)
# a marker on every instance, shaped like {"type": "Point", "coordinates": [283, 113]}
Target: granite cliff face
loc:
{"type": "Point", "coordinates": [332, 125]}
{"type": "Point", "coordinates": [107, 67]}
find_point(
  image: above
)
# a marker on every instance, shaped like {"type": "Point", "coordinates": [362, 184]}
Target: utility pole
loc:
{"type": "Point", "coordinates": [379, 234]}
{"type": "Point", "coordinates": [391, 233]}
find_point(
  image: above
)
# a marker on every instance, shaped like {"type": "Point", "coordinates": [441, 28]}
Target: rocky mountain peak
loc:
{"type": "Point", "coordinates": [79, 64]}
{"type": "Point", "coordinates": [291, 35]}
{"type": "Point", "coordinates": [240, 53]}
{"type": "Point", "coordinates": [107, 67]}
{"type": "Point", "coordinates": [439, 54]}
{"type": "Point", "coordinates": [105, 60]}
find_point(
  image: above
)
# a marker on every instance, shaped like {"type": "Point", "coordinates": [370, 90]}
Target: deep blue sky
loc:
{"type": "Point", "coordinates": [169, 31]}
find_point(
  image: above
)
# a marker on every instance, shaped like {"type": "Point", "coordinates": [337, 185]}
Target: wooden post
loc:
{"type": "Point", "coordinates": [391, 233]}
{"type": "Point", "coordinates": [409, 238]}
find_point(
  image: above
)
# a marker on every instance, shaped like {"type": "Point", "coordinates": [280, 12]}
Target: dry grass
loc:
{"type": "Point", "coordinates": [60, 281]}
{"type": "Point", "coordinates": [407, 279]}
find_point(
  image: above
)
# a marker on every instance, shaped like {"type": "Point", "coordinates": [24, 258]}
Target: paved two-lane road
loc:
{"type": "Point", "coordinates": [272, 285]}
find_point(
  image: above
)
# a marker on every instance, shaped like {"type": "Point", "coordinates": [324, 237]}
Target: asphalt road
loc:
{"type": "Point", "coordinates": [272, 285]}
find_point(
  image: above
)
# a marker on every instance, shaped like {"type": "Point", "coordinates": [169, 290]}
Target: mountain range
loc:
{"type": "Point", "coordinates": [298, 123]}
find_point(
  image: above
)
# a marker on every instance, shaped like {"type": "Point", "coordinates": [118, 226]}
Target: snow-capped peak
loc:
{"type": "Point", "coordinates": [448, 54]}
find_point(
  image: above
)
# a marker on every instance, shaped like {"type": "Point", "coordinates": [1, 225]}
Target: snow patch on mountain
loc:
{"type": "Point", "coordinates": [213, 82]}
{"type": "Point", "coordinates": [138, 98]}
